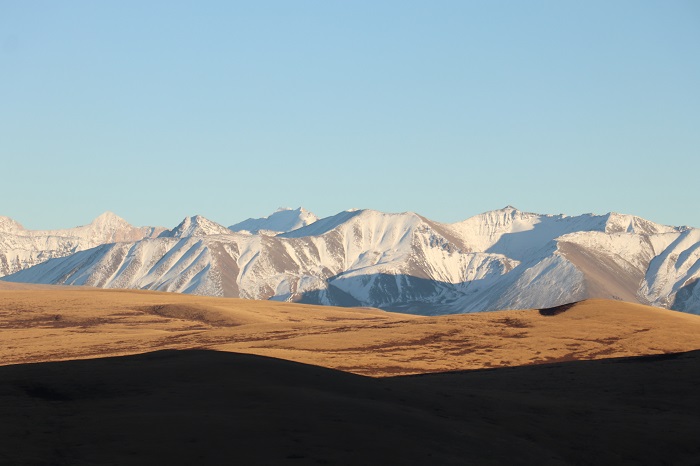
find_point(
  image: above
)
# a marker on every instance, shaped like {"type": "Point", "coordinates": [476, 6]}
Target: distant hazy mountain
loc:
{"type": "Point", "coordinates": [504, 259]}
{"type": "Point", "coordinates": [282, 221]}
{"type": "Point", "coordinates": [21, 248]}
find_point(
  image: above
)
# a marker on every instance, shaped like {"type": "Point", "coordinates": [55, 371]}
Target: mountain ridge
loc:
{"type": "Point", "coordinates": [21, 248]}
{"type": "Point", "coordinates": [502, 259]}
{"type": "Point", "coordinates": [282, 220]}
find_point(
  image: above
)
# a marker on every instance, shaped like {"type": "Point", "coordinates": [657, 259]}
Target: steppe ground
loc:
{"type": "Point", "coordinates": [63, 323]}
{"type": "Point", "coordinates": [558, 406]}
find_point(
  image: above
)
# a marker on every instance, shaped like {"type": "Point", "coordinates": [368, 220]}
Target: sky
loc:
{"type": "Point", "coordinates": [228, 109]}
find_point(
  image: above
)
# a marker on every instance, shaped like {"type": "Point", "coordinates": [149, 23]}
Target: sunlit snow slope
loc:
{"type": "Point", "coordinates": [504, 259]}
{"type": "Point", "coordinates": [21, 248]}
{"type": "Point", "coordinates": [282, 221]}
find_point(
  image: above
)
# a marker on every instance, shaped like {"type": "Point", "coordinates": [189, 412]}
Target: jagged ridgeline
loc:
{"type": "Point", "coordinates": [503, 259]}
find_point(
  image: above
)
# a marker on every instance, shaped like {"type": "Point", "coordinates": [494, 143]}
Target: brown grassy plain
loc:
{"type": "Point", "coordinates": [44, 323]}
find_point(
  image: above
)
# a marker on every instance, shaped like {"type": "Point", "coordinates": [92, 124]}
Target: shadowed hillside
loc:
{"type": "Point", "coordinates": [203, 407]}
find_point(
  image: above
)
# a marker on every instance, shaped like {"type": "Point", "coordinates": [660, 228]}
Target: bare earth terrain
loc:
{"type": "Point", "coordinates": [571, 399]}
{"type": "Point", "coordinates": [62, 323]}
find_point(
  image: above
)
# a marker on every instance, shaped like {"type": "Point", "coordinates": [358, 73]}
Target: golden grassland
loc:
{"type": "Point", "coordinates": [45, 323]}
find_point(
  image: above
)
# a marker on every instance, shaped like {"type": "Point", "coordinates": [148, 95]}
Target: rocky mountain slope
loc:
{"type": "Point", "coordinates": [504, 259]}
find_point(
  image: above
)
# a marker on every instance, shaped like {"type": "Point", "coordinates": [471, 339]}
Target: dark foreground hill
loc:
{"type": "Point", "coordinates": [206, 407]}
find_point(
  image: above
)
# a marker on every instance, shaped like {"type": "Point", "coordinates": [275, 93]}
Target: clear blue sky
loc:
{"type": "Point", "coordinates": [157, 110]}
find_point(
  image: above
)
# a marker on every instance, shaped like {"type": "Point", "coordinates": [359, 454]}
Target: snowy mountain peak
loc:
{"type": "Point", "coordinates": [283, 220]}
{"type": "Point", "coordinates": [321, 226]}
{"type": "Point", "coordinates": [299, 210]}
{"type": "Point", "coordinates": [623, 223]}
{"type": "Point", "coordinates": [107, 215]}
{"type": "Point", "coordinates": [397, 221]}
{"type": "Point", "coordinates": [109, 220]}
{"type": "Point", "coordinates": [370, 228]}
{"type": "Point", "coordinates": [196, 226]}
{"type": "Point", "coordinates": [108, 228]}
{"type": "Point", "coordinates": [21, 248]}
{"type": "Point", "coordinates": [364, 218]}
{"type": "Point", "coordinates": [9, 225]}
{"type": "Point", "coordinates": [500, 220]}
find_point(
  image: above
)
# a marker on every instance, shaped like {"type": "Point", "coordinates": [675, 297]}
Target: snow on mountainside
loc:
{"type": "Point", "coordinates": [674, 273]}
{"type": "Point", "coordinates": [196, 226]}
{"type": "Point", "coordinates": [504, 259]}
{"type": "Point", "coordinates": [323, 225]}
{"type": "Point", "coordinates": [21, 248]}
{"type": "Point", "coordinates": [7, 225]}
{"type": "Point", "coordinates": [282, 221]}
{"type": "Point", "coordinates": [619, 223]}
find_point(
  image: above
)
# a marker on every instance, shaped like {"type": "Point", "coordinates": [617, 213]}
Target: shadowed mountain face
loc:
{"type": "Point", "coordinates": [504, 259]}
{"type": "Point", "coordinates": [203, 407]}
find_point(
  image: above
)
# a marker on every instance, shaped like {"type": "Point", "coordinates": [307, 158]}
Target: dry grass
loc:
{"type": "Point", "coordinates": [40, 323]}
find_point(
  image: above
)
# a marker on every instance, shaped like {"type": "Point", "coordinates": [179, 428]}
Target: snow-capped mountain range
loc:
{"type": "Point", "coordinates": [21, 248]}
{"type": "Point", "coordinates": [503, 259]}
